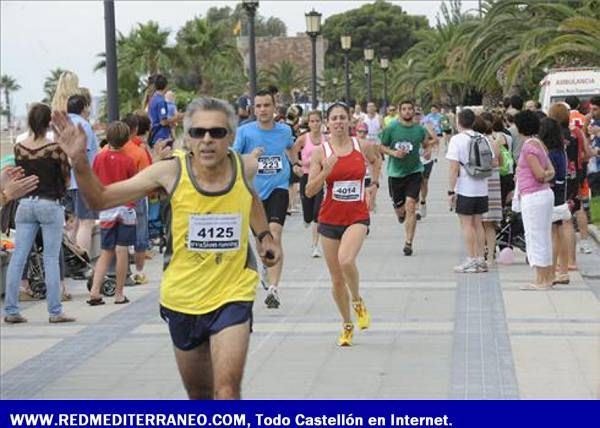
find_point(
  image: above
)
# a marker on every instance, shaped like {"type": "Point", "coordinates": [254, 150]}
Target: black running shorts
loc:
{"type": "Point", "coordinates": [190, 331]}
{"type": "Point", "coordinates": [276, 206]}
{"type": "Point", "coordinates": [471, 205]}
{"type": "Point", "coordinates": [336, 232]}
{"type": "Point", "coordinates": [405, 187]}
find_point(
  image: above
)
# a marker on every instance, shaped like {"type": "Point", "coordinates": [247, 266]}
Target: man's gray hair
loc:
{"type": "Point", "coordinates": [209, 104]}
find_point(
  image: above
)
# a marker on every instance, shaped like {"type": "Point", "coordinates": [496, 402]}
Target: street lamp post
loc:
{"type": "Point", "coordinates": [335, 83]}
{"type": "Point", "coordinates": [385, 65]}
{"type": "Point", "coordinates": [313, 29]}
{"type": "Point", "coordinates": [112, 81]}
{"type": "Point", "coordinates": [346, 41]}
{"type": "Point", "coordinates": [369, 55]}
{"type": "Point", "coordinates": [250, 7]}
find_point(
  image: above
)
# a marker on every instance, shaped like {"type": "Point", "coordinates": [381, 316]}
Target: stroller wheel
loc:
{"type": "Point", "coordinates": [108, 287]}
{"type": "Point", "coordinates": [38, 288]}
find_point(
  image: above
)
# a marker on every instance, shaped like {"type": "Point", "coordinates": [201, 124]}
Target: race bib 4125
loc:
{"type": "Point", "coordinates": [214, 232]}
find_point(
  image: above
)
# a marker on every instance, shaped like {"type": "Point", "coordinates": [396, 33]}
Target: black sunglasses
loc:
{"type": "Point", "coordinates": [218, 132]}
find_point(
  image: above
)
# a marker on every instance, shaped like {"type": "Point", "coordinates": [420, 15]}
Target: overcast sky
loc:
{"type": "Point", "coordinates": [37, 36]}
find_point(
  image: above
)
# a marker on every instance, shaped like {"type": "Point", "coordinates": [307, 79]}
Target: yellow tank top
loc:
{"type": "Point", "coordinates": [208, 261]}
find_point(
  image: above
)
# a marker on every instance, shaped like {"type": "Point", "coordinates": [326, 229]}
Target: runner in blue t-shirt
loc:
{"type": "Point", "coordinates": [275, 145]}
{"type": "Point", "coordinates": [158, 111]}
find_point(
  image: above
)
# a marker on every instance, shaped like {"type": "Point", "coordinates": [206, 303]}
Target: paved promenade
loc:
{"type": "Point", "coordinates": [434, 335]}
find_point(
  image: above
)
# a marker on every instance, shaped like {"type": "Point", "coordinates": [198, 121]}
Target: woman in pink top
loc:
{"type": "Point", "coordinates": [534, 171]}
{"type": "Point", "coordinates": [310, 206]}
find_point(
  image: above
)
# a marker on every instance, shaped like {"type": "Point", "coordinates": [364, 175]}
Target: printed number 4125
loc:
{"type": "Point", "coordinates": [216, 232]}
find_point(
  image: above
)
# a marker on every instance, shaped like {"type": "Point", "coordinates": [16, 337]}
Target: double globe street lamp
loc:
{"type": "Point", "coordinates": [346, 41]}
{"type": "Point", "coordinates": [250, 7]}
{"type": "Point", "coordinates": [313, 29]}
{"type": "Point", "coordinates": [369, 53]}
{"type": "Point", "coordinates": [384, 63]}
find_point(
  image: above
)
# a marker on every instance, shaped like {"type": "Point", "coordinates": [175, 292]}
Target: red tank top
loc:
{"type": "Point", "coordinates": [344, 202]}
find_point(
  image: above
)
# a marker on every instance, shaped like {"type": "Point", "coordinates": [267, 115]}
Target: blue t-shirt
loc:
{"type": "Point", "coordinates": [158, 110]}
{"type": "Point", "coordinates": [433, 119]}
{"type": "Point", "coordinates": [273, 165]}
{"type": "Point", "coordinates": [91, 140]}
{"type": "Point", "coordinates": [171, 109]}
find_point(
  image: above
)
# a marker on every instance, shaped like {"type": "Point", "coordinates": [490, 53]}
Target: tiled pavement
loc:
{"type": "Point", "coordinates": [434, 335]}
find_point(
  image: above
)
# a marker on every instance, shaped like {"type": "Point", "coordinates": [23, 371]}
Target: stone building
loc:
{"type": "Point", "coordinates": [295, 49]}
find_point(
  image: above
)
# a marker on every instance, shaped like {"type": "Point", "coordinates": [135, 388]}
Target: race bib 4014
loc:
{"type": "Point", "coordinates": [214, 232]}
{"type": "Point", "coordinates": [347, 191]}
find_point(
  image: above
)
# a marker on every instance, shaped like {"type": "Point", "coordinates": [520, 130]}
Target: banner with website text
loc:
{"type": "Point", "coordinates": [258, 414]}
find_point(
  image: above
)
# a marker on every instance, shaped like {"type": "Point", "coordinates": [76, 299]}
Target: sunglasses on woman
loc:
{"type": "Point", "coordinates": [218, 132]}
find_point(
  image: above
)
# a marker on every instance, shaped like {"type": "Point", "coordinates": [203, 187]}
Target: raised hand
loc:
{"type": "Point", "coordinates": [257, 152]}
{"type": "Point", "coordinates": [71, 139]}
{"type": "Point", "coordinates": [329, 164]}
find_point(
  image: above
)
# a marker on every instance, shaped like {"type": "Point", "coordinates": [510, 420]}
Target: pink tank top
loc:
{"type": "Point", "coordinates": [307, 150]}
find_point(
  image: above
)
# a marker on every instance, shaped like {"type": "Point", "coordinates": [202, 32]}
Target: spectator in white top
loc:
{"type": "Point", "coordinates": [468, 195]}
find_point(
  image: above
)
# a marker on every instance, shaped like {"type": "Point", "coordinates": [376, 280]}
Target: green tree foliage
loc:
{"type": "Point", "coordinates": [50, 83]}
{"type": "Point", "coordinates": [286, 76]}
{"type": "Point", "coordinates": [382, 24]}
{"type": "Point", "coordinates": [8, 84]}
{"type": "Point", "coordinates": [504, 53]}
{"type": "Point", "coordinates": [229, 18]}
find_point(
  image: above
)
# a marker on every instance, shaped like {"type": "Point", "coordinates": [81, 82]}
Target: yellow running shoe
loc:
{"type": "Point", "coordinates": [345, 338]}
{"type": "Point", "coordinates": [140, 278]}
{"type": "Point", "coordinates": [364, 319]}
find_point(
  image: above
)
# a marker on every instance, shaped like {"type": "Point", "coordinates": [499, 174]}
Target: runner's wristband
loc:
{"type": "Point", "coordinates": [451, 192]}
{"type": "Point", "coordinates": [262, 235]}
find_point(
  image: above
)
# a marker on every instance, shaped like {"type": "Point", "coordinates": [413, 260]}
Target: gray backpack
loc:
{"type": "Point", "coordinates": [481, 155]}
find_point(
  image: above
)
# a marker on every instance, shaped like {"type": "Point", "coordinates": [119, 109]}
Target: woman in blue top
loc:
{"type": "Point", "coordinates": [551, 136]}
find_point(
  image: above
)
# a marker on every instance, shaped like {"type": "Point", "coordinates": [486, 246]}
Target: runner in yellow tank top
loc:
{"type": "Point", "coordinates": [210, 275]}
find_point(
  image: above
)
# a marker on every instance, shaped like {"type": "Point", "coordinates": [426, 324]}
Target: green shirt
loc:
{"type": "Point", "coordinates": [397, 135]}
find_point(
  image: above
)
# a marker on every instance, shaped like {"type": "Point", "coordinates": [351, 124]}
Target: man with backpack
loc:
{"type": "Point", "coordinates": [470, 156]}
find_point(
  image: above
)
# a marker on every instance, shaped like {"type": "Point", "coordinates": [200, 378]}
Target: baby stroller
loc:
{"type": "Point", "coordinates": [511, 233]}
{"type": "Point", "coordinates": [74, 263]}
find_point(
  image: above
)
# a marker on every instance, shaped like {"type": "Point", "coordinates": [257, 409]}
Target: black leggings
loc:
{"type": "Point", "coordinates": [310, 206]}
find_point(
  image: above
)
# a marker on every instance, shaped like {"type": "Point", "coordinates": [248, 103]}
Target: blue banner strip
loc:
{"type": "Point", "coordinates": [258, 414]}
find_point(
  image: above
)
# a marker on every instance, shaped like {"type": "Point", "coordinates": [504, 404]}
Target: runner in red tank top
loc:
{"type": "Point", "coordinates": [344, 215]}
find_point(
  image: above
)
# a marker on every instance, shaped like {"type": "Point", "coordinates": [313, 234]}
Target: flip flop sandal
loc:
{"type": "Point", "coordinates": [28, 296]}
{"type": "Point", "coordinates": [122, 302]}
{"type": "Point", "coordinates": [95, 302]}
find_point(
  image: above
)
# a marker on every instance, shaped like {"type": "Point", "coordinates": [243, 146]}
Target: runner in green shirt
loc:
{"type": "Point", "coordinates": [402, 141]}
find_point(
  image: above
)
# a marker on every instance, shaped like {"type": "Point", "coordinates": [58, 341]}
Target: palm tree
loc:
{"type": "Point", "coordinates": [201, 54]}
{"type": "Point", "coordinates": [434, 68]}
{"type": "Point", "coordinates": [287, 76]}
{"type": "Point", "coordinates": [50, 84]}
{"type": "Point", "coordinates": [9, 84]}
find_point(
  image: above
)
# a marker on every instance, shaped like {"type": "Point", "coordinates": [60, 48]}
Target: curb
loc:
{"type": "Point", "coordinates": [594, 232]}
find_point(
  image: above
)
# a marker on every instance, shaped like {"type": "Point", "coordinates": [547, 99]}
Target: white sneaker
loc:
{"type": "Point", "coordinates": [482, 265]}
{"type": "Point", "coordinates": [469, 266]}
{"type": "Point", "coordinates": [316, 252]}
{"type": "Point", "coordinates": [272, 300]}
{"type": "Point", "coordinates": [585, 247]}
{"type": "Point", "coordinates": [423, 210]}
